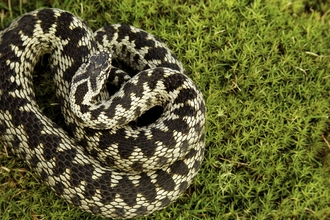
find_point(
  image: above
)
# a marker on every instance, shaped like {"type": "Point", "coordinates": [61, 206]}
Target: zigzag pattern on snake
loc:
{"type": "Point", "coordinates": [119, 167]}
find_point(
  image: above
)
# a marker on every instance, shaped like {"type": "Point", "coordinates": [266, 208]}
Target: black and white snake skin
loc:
{"type": "Point", "coordinates": [129, 169]}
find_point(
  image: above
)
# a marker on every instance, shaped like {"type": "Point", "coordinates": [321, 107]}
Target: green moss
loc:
{"type": "Point", "coordinates": [264, 71]}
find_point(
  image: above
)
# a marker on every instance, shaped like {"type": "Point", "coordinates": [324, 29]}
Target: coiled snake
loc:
{"type": "Point", "coordinates": [111, 163]}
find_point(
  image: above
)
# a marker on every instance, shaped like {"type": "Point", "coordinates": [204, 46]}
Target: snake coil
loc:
{"type": "Point", "coordinates": [111, 163]}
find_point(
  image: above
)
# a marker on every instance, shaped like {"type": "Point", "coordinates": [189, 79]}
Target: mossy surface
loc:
{"type": "Point", "coordinates": [263, 67]}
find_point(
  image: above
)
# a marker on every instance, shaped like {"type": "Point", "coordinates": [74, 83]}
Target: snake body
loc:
{"type": "Point", "coordinates": [110, 163]}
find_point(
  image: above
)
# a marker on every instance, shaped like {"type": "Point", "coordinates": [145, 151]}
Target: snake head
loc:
{"type": "Point", "coordinates": [98, 69]}
{"type": "Point", "coordinates": [95, 72]}
{"type": "Point", "coordinates": [91, 77]}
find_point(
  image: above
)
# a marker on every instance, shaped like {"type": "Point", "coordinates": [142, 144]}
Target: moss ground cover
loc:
{"type": "Point", "coordinates": [263, 67]}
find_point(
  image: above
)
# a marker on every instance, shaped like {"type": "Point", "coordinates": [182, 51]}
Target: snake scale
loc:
{"type": "Point", "coordinates": [108, 161]}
